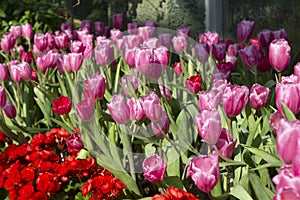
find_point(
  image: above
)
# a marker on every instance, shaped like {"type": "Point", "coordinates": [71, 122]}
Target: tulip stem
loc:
{"type": "Point", "coordinates": [279, 76]}
{"type": "Point", "coordinates": [7, 131]}
{"type": "Point", "coordinates": [179, 145]}
{"type": "Point", "coordinates": [225, 158]}
{"type": "Point", "coordinates": [228, 120]}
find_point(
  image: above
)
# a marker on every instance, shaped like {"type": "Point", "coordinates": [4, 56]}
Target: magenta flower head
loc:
{"type": "Point", "coordinates": [219, 50]}
{"type": "Point", "coordinates": [279, 54]}
{"type": "Point", "coordinates": [151, 43]}
{"type": "Point", "coordinates": [130, 84]}
{"type": "Point", "coordinates": [165, 92]}
{"type": "Point", "coordinates": [179, 43]}
{"type": "Point", "coordinates": [287, 140]}
{"type": "Point", "coordinates": [154, 168]}
{"type": "Point", "coordinates": [10, 110]}
{"type": "Point", "coordinates": [118, 20]}
{"type": "Point", "coordinates": [194, 83]}
{"type": "Point", "coordinates": [143, 60]}
{"type": "Point", "coordinates": [132, 28]}
{"type": "Point", "coordinates": [201, 51]}
{"type": "Point", "coordinates": [233, 49]}
{"type": "Point", "coordinates": [72, 62]}
{"type": "Point", "coordinates": [41, 41]}
{"type": "Point", "coordinates": [119, 109]}
{"type": "Point", "coordinates": [51, 40]}
{"type": "Point", "coordinates": [275, 119]}
{"type": "Point", "coordinates": [3, 72]}
{"type": "Point", "coordinates": [150, 23]}
{"type": "Point", "coordinates": [244, 30]}
{"type": "Point", "coordinates": [250, 56]}
{"type": "Point", "coordinates": [209, 38]}
{"type": "Point", "coordinates": [264, 64]}
{"type": "Point", "coordinates": [16, 31]}
{"type": "Point", "coordinates": [178, 68]}
{"type": "Point", "coordinates": [136, 109]}
{"type": "Point", "coordinates": [259, 96]}
{"type": "Point", "coordinates": [146, 32]}
{"type": "Point", "coordinates": [2, 97]}
{"type": "Point", "coordinates": [225, 144]}
{"type": "Point", "coordinates": [132, 41]}
{"type": "Point", "coordinates": [77, 46]}
{"type": "Point", "coordinates": [296, 70]}
{"type": "Point", "coordinates": [129, 56]}
{"type": "Point", "coordinates": [95, 85]}
{"type": "Point", "coordinates": [287, 184]}
{"type": "Point", "coordinates": [204, 171]}
{"type": "Point", "coordinates": [161, 126]}
{"type": "Point", "coordinates": [165, 39]}
{"type": "Point", "coordinates": [74, 142]}
{"type": "Point", "coordinates": [27, 31]}
{"type": "Point", "coordinates": [61, 41]}
{"type": "Point", "coordinates": [86, 25]}
{"type": "Point", "coordinates": [66, 26]}
{"type": "Point", "coordinates": [209, 100]}
{"type": "Point", "coordinates": [85, 109]}
{"type": "Point", "coordinates": [265, 37]}
{"type": "Point", "coordinates": [152, 107]}
{"type": "Point", "coordinates": [183, 31]}
{"type": "Point", "coordinates": [20, 71]}
{"type": "Point", "coordinates": [115, 34]}
{"type": "Point", "coordinates": [7, 42]}
{"type": "Point", "coordinates": [104, 54]}
{"type": "Point", "coordinates": [99, 28]}
{"type": "Point", "coordinates": [234, 99]}
{"type": "Point", "coordinates": [209, 125]}
{"type": "Point", "coordinates": [289, 94]}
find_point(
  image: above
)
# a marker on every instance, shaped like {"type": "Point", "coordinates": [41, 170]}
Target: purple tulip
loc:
{"type": "Point", "coordinates": [204, 171]}
{"type": "Point", "coordinates": [219, 50]}
{"type": "Point", "coordinates": [10, 110]}
{"type": "Point", "coordinates": [161, 126]}
{"type": "Point", "coordinates": [130, 56]}
{"type": "Point", "coordinates": [132, 28]}
{"type": "Point", "coordinates": [225, 67]}
{"type": "Point", "coordinates": [104, 54]}
{"type": "Point", "coordinates": [3, 72]}
{"type": "Point", "coordinates": [20, 71]}
{"type": "Point", "coordinates": [250, 56]}
{"type": "Point", "coordinates": [129, 90]}
{"type": "Point", "coordinates": [40, 41]}
{"type": "Point", "coordinates": [86, 25]}
{"type": "Point", "coordinates": [99, 28]}
{"type": "Point", "coordinates": [265, 37]}
{"type": "Point", "coordinates": [245, 30]}
{"type": "Point", "coordinates": [234, 99]}
{"type": "Point", "coordinates": [152, 107]}
{"type": "Point", "coordinates": [225, 144]}
{"type": "Point", "coordinates": [136, 109]}
{"type": "Point", "coordinates": [95, 85]}
{"type": "Point", "coordinates": [209, 125]}
{"type": "Point", "coordinates": [233, 49]}
{"type": "Point", "coordinates": [150, 23]}
{"type": "Point", "coordinates": [264, 64]}
{"type": "Point", "coordinates": [209, 100]}
{"type": "Point", "coordinates": [27, 31]}
{"type": "Point", "coordinates": [287, 184]}
{"type": "Point", "coordinates": [209, 38]}
{"type": "Point", "coordinates": [106, 32]}
{"type": "Point", "coordinates": [66, 26]}
{"type": "Point", "coordinates": [72, 62]}
{"type": "Point", "coordinates": [183, 31]}
{"type": "Point", "coordinates": [201, 51]}
{"type": "Point", "coordinates": [85, 109]}
{"type": "Point", "coordinates": [61, 41]}
{"type": "Point", "coordinates": [221, 75]}
{"type": "Point", "coordinates": [154, 168]}
{"type": "Point", "coordinates": [151, 43]}
{"type": "Point", "coordinates": [165, 39]}
{"type": "Point", "coordinates": [7, 42]}
{"type": "Point", "coordinates": [279, 54]}
{"type": "Point", "coordinates": [16, 31]}
{"type": "Point", "coordinates": [74, 143]}
{"type": "Point", "coordinates": [119, 109]}
{"type": "Point", "coordinates": [132, 41]}
{"type": "Point", "coordinates": [280, 34]}
{"type": "Point", "coordinates": [179, 43]}
{"type": "Point", "coordinates": [2, 97]}
{"type": "Point", "coordinates": [118, 20]}
{"type": "Point", "coordinates": [259, 96]}
{"type": "Point", "coordinates": [146, 32]}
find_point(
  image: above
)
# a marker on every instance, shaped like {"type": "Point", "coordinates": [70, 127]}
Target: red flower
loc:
{"type": "Point", "coordinates": [28, 174]}
{"type": "Point", "coordinates": [194, 83]}
{"type": "Point", "coordinates": [178, 194]}
{"type": "Point", "coordinates": [160, 197]}
{"type": "Point", "coordinates": [26, 190]}
{"type": "Point", "coordinates": [62, 105]}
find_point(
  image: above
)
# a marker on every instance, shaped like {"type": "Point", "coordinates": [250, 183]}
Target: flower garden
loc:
{"type": "Point", "coordinates": [144, 112]}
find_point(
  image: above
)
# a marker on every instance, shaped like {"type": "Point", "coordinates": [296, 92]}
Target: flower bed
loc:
{"type": "Point", "coordinates": [148, 113]}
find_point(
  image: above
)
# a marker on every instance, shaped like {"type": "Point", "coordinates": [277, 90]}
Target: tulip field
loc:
{"type": "Point", "coordinates": [137, 111]}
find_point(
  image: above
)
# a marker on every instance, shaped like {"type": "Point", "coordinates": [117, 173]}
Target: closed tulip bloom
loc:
{"type": "Point", "coordinates": [119, 109]}
{"type": "Point", "coordinates": [118, 20]}
{"type": "Point", "coordinates": [259, 96]}
{"type": "Point", "coordinates": [233, 49]}
{"type": "Point", "coordinates": [27, 31]}
{"type": "Point", "coordinates": [152, 107]}
{"type": "Point", "coordinates": [219, 50]}
{"type": "Point", "coordinates": [61, 41]}
{"type": "Point", "coordinates": [244, 30]}
{"type": "Point", "coordinates": [179, 43]}
{"type": "Point", "coordinates": [115, 34]}
{"type": "Point", "coordinates": [183, 31]}
{"type": "Point", "coordinates": [20, 72]}
{"type": "Point", "coordinates": [88, 52]}
{"type": "Point", "coordinates": [234, 99]}
{"type": "Point", "coordinates": [62, 105]}
{"type": "Point", "coordinates": [66, 26]}
{"type": "Point", "coordinates": [132, 28]}
{"type": "Point", "coordinates": [279, 54]}
{"type": "Point", "coordinates": [96, 85]}
{"type": "Point", "coordinates": [224, 67]}
{"type": "Point", "coordinates": [85, 109]}
{"type": "Point", "coordinates": [86, 25]}
{"type": "Point", "coordinates": [132, 41]}
{"type": "Point", "coordinates": [10, 110]}
{"type": "Point", "coordinates": [143, 59]}
{"type": "Point", "coordinates": [154, 168]}
{"type": "Point", "coordinates": [221, 75]}
{"type": "Point", "coordinates": [120, 45]}
{"type": "Point", "coordinates": [136, 109]}
{"type": "Point", "coordinates": [265, 37]}
{"type": "Point", "coordinates": [161, 126]}
{"type": "Point", "coordinates": [99, 28]}
{"type": "Point", "coordinates": [7, 42]}
{"type": "Point", "coordinates": [104, 54]}
{"type": "Point", "coordinates": [146, 32]}
{"type": "Point", "coordinates": [296, 70]}
{"type": "Point", "coordinates": [194, 83]}
{"type": "Point", "coordinates": [209, 100]}
{"type": "Point", "coordinates": [287, 136]}
{"type": "Point", "coordinates": [151, 43]}
{"type": "Point", "coordinates": [178, 68]}
{"type": "Point", "coordinates": [74, 142]}
{"type": "Point", "coordinates": [77, 46]}
{"type": "Point", "coordinates": [209, 38]}
{"type": "Point", "coordinates": [280, 34]}
{"type": "Point", "coordinates": [3, 72]}
{"type": "Point", "coordinates": [130, 84]}
{"type": "Point", "coordinates": [40, 41]}
{"type": "Point", "coordinates": [201, 51]}
{"type": "Point", "coordinates": [225, 144]}
{"type": "Point", "coordinates": [165, 39]}
{"type": "Point", "coordinates": [232, 60]}
{"type": "Point", "coordinates": [50, 41]}
{"type": "Point", "coordinates": [161, 56]}
{"type": "Point", "coordinates": [287, 184]}
{"type": "Point", "coordinates": [209, 125]}
{"type": "Point", "coordinates": [250, 56]}
{"type": "Point", "coordinates": [16, 31]}
{"type": "Point", "coordinates": [106, 32]}
{"type": "Point", "coordinates": [130, 56]}
{"type": "Point", "coordinates": [204, 171]}
{"type": "Point", "coordinates": [289, 94]}
{"type": "Point", "coordinates": [2, 97]}
{"type": "Point", "coordinates": [275, 119]}
{"type": "Point", "coordinates": [72, 62]}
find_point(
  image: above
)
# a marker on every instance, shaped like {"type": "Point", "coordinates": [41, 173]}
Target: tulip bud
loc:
{"type": "Point", "coordinates": [183, 31]}
{"type": "Point", "coordinates": [151, 106]}
{"type": "Point", "coordinates": [250, 56]}
{"type": "Point", "coordinates": [118, 109]}
{"type": "Point", "coordinates": [66, 26]}
{"type": "Point", "coordinates": [161, 126]}
{"type": "Point", "coordinates": [2, 97]}
{"type": "Point", "coordinates": [194, 83]}
{"type": "Point", "coordinates": [95, 85]}
{"type": "Point", "coordinates": [245, 30]}
{"type": "Point", "coordinates": [234, 99]}
{"type": "Point", "coordinates": [118, 20]}
{"type": "Point", "coordinates": [225, 144]}
{"type": "Point", "coordinates": [145, 32]}
{"type": "Point", "coordinates": [130, 56]}
{"type": "Point", "coordinates": [233, 49]}
{"type": "Point", "coordinates": [20, 71]}
{"type": "Point", "coordinates": [165, 92]}
{"type": "Point", "coordinates": [115, 34]}
{"type": "Point", "coordinates": [104, 55]}
{"type": "Point", "coordinates": [279, 54]}
{"type": "Point", "coordinates": [136, 109]}
{"type": "Point", "coordinates": [51, 40]}
{"type": "Point", "coordinates": [219, 50]}
{"type": "Point", "coordinates": [40, 41]}
{"type": "Point", "coordinates": [209, 125]}
{"type": "Point", "coordinates": [154, 168]}
{"type": "Point", "coordinates": [62, 105]}
{"type": "Point", "coordinates": [74, 143]}
{"type": "Point", "coordinates": [209, 100]}
{"type": "Point", "coordinates": [77, 46]}
{"type": "Point", "coordinates": [179, 43]}
{"type": "Point", "coordinates": [209, 38]}
{"type": "Point", "coordinates": [280, 34]}
{"type": "Point", "coordinates": [178, 68]}
{"type": "Point", "coordinates": [27, 31]}
{"type": "Point", "coordinates": [61, 41]}
{"type": "Point", "coordinates": [3, 72]}
{"type": "Point", "coordinates": [99, 28]}
{"type": "Point", "coordinates": [232, 60]}
{"type": "Point", "coordinates": [204, 171]}
{"type": "Point", "coordinates": [201, 51]}
{"type": "Point", "coordinates": [129, 84]}
{"type": "Point", "coordinates": [275, 119]}
{"type": "Point", "coordinates": [265, 37]}
{"type": "Point", "coordinates": [10, 110]}
{"type": "Point", "coordinates": [165, 39]}
{"type": "Point", "coordinates": [7, 42]}
{"type": "Point", "coordinates": [296, 70]}
{"type": "Point", "coordinates": [86, 25]}
{"type": "Point", "coordinates": [88, 52]}
{"type": "Point", "coordinates": [259, 96]}
{"type": "Point", "coordinates": [72, 62]}
{"type": "Point", "coordinates": [16, 31]}
{"type": "Point", "coordinates": [85, 109]}
{"type": "Point", "coordinates": [143, 60]}
{"type": "Point", "coordinates": [132, 28]}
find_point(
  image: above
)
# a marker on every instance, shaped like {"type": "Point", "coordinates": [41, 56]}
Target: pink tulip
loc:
{"type": "Point", "coordinates": [16, 31]}
{"type": "Point", "coordinates": [179, 43]}
{"type": "Point", "coordinates": [209, 38]}
{"type": "Point", "coordinates": [132, 28]}
{"type": "Point", "coordinates": [234, 99]}
{"type": "Point", "coordinates": [115, 34]}
{"type": "Point", "coordinates": [118, 20]}
{"type": "Point", "coordinates": [10, 110]}
{"type": "Point", "coordinates": [85, 109]}
{"type": "Point", "coordinates": [3, 72]}
{"type": "Point", "coordinates": [120, 45]}
{"type": "Point", "coordinates": [99, 28]}
{"type": "Point", "coordinates": [204, 171]}
{"type": "Point", "coordinates": [178, 68]}
{"type": "Point", "coordinates": [136, 109]}
{"type": "Point", "coordinates": [77, 46]}
{"type": "Point", "coordinates": [132, 41]}
{"type": "Point", "coordinates": [146, 32]}
{"type": "Point", "coordinates": [161, 126]}
{"type": "Point", "coordinates": [296, 70]}
{"type": "Point", "coordinates": [209, 100]}
{"type": "Point", "coordinates": [225, 144]}
{"type": "Point", "coordinates": [130, 56]}
{"type": "Point", "coordinates": [74, 142]}
{"type": "Point", "coordinates": [20, 71]}
{"type": "Point", "coordinates": [275, 119]}
{"type": "Point", "coordinates": [151, 43]}
{"type": "Point", "coordinates": [40, 41]}
{"type": "Point", "coordinates": [119, 109]}
{"type": "Point", "coordinates": [27, 31]}
{"type": "Point", "coordinates": [152, 107]}
{"type": "Point", "coordinates": [154, 168]}
{"type": "Point", "coordinates": [88, 52]}
{"type": "Point", "coordinates": [129, 84]}
{"type": "Point", "coordinates": [259, 96]}
{"type": "Point", "coordinates": [7, 42]}
{"type": "Point", "coordinates": [2, 97]}
{"type": "Point", "coordinates": [165, 92]}
{"type": "Point", "coordinates": [201, 51]}
{"type": "Point", "coordinates": [165, 39]}
{"type": "Point", "coordinates": [61, 41]}
{"type": "Point", "coordinates": [51, 41]}
{"type": "Point", "coordinates": [72, 62]}
{"type": "Point", "coordinates": [279, 54]}
{"type": "Point", "coordinates": [183, 31]}
{"type": "Point", "coordinates": [209, 125]}
{"type": "Point", "coordinates": [95, 85]}
{"type": "Point", "coordinates": [233, 49]}
{"type": "Point", "coordinates": [104, 54]}
{"type": "Point", "coordinates": [245, 30]}
{"type": "Point", "coordinates": [143, 60]}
